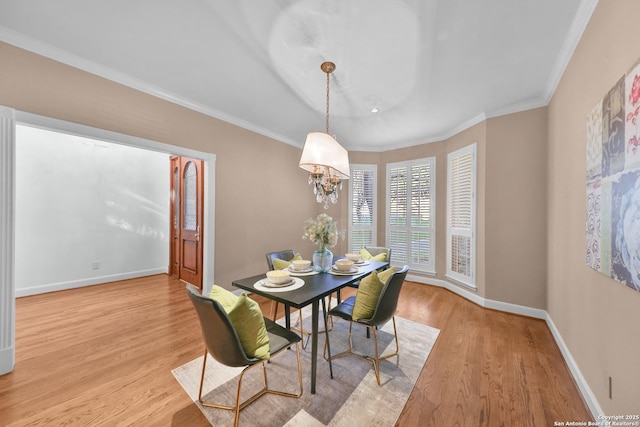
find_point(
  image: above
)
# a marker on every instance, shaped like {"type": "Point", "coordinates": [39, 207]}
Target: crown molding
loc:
{"type": "Point", "coordinates": [579, 24]}
{"type": "Point", "coordinates": [73, 60]}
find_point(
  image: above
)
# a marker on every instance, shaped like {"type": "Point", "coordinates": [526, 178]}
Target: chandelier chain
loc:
{"type": "Point", "coordinates": [327, 117]}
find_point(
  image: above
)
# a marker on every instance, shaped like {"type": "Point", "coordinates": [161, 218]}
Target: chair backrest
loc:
{"type": "Point", "coordinates": [376, 250]}
{"type": "Point", "coordinates": [286, 255]}
{"type": "Point", "coordinates": [218, 332]}
{"type": "Point", "coordinates": [388, 301]}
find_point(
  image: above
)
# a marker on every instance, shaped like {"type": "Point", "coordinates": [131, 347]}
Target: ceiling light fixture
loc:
{"type": "Point", "coordinates": [324, 158]}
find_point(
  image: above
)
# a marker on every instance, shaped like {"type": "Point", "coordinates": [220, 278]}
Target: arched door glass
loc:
{"type": "Point", "coordinates": [190, 197]}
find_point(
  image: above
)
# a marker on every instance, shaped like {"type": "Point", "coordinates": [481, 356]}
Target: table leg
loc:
{"type": "Point", "coordinates": [287, 316]}
{"type": "Point", "coordinates": [326, 335]}
{"type": "Point", "coordinates": [314, 344]}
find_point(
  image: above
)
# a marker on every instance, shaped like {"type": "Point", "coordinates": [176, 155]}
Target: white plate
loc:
{"type": "Point", "coordinates": [268, 284]}
{"type": "Point", "coordinates": [362, 262]}
{"type": "Point", "coordinates": [352, 270]}
{"type": "Point", "coordinates": [306, 270]}
{"type": "Point", "coordinates": [308, 273]}
{"type": "Point", "coordinates": [260, 284]}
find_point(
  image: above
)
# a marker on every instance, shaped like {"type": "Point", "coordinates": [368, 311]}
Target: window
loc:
{"type": "Point", "coordinates": [461, 216]}
{"type": "Point", "coordinates": [362, 206]}
{"type": "Point", "coordinates": [411, 213]}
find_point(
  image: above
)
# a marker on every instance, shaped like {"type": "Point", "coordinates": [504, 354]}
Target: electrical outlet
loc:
{"type": "Point", "coordinates": [96, 265]}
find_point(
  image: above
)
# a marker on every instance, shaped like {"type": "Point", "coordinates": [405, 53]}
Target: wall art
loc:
{"type": "Point", "coordinates": [613, 182]}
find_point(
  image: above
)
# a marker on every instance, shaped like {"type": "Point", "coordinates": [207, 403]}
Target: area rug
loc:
{"type": "Point", "coordinates": [352, 397]}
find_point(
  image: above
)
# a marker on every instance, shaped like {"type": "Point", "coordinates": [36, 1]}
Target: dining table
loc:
{"type": "Point", "coordinates": [314, 288]}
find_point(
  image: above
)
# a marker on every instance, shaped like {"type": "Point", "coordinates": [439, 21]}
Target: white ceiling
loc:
{"type": "Point", "coordinates": [432, 67]}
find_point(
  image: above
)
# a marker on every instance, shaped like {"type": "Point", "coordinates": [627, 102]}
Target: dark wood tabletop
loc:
{"type": "Point", "coordinates": [315, 286]}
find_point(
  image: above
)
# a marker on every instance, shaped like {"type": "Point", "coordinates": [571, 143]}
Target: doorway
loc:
{"type": "Point", "coordinates": [187, 194]}
{"type": "Point", "coordinates": [8, 119]}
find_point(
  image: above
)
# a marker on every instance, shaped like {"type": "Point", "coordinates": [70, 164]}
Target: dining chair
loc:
{"type": "Point", "coordinates": [385, 309]}
{"type": "Point", "coordinates": [287, 255]}
{"type": "Point", "coordinates": [223, 344]}
{"type": "Point", "coordinates": [375, 250]}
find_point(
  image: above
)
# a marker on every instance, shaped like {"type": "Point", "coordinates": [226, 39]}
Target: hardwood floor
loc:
{"type": "Point", "coordinates": [102, 355]}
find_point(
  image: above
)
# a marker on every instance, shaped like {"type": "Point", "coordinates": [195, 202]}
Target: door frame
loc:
{"type": "Point", "coordinates": [209, 159]}
{"type": "Point", "coordinates": [208, 255]}
{"type": "Point", "coordinates": [7, 204]}
{"type": "Point", "coordinates": [176, 212]}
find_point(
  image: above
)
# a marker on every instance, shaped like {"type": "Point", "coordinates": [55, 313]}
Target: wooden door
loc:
{"type": "Point", "coordinates": [187, 185]}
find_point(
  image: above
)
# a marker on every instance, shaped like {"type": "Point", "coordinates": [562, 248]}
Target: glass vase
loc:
{"type": "Point", "coordinates": [322, 260]}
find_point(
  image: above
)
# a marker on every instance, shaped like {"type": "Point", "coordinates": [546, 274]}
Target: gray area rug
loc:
{"type": "Point", "coordinates": [351, 398]}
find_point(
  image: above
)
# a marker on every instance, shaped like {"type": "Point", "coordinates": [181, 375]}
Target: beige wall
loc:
{"type": "Point", "coordinates": [596, 316]}
{"type": "Point", "coordinates": [515, 208]}
{"type": "Point", "coordinates": [262, 197]}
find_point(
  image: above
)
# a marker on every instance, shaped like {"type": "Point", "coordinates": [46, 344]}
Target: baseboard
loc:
{"type": "Point", "coordinates": [7, 360]}
{"type": "Point", "coordinates": [60, 286]}
{"type": "Point", "coordinates": [483, 302]}
{"type": "Point", "coordinates": [585, 390]}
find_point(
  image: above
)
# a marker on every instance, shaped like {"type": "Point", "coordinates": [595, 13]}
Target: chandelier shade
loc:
{"type": "Point", "coordinates": [322, 150]}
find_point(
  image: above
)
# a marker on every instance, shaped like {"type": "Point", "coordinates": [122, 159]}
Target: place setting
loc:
{"type": "Point", "coordinates": [301, 267]}
{"type": "Point", "coordinates": [279, 281]}
{"type": "Point", "coordinates": [344, 267]}
{"type": "Point", "coordinates": [357, 259]}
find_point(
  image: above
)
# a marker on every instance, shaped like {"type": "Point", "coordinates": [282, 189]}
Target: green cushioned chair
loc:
{"type": "Point", "coordinates": [384, 311]}
{"type": "Point", "coordinates": [285, 255]}
{"type": "Point", "coordinates": [376, 252]}
{"type": "Point", "coordinates": [288, 255]}
{"type": "Point", "coordinates": [370, 252]}
{"type": "Point", "coordinates": [223, 343]}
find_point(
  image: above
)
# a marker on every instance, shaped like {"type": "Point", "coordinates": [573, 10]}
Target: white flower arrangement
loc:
{"type": "Point", "coordinates": [322, 231]}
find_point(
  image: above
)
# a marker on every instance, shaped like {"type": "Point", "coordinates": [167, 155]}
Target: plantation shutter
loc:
{"type": "Point", "coordinates": [362, 206]}
{"type": "Point", "coordinates": [410, 213]}
{"type": "Point", "coordinates": [461, 215]}
{"type": "Point", "coordinates": [397, 181]}
{"type": "Point", "coordinates": [421, 230]}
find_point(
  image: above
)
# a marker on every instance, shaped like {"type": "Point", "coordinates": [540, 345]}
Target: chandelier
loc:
{"type": "Point", "coordinates": [324, 158]}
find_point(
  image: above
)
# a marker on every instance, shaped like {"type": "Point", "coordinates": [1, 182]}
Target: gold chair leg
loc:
{"type": "Point", "coordinates": [375, 361]}
{"type": "Point", "coordinates": [274, 310]}
{"type": "Point", "coordinates": [303, 332]}
{"type": "Point", "coordinates": [204, 365]}
{"type": "Point", "coordinates": [343, 353]}
{"type": "Point", "coordinates": [241, 405]}
{"type": "Point", "coordinates": [378, 358]}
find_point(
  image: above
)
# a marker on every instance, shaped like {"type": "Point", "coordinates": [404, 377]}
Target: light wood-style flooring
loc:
{"type": "Point", "coordinates": [103, 355]}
